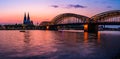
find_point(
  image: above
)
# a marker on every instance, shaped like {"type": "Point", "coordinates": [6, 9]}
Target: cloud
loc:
{"type": "Point", "coordinates": [69, 6]}
{"type": "Point", "coordinates": [109, 6]}
{"type": "Point", "coordinates": [55, 6]}
{"type": "Point", "coordinates": [76, 6]}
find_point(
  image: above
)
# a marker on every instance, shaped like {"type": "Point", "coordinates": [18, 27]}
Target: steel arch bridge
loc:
{"type": "Point", "coordinates": [69, 19]}
{"type": "Point", "coordinates": [109, 17]}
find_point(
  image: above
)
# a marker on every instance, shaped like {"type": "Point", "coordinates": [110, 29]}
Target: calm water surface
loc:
{"type": "Point", "coordinates": [59, 45]}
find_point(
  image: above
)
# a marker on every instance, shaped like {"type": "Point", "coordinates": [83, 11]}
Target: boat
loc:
{"type": "Point", "coordinates": [22, 30]}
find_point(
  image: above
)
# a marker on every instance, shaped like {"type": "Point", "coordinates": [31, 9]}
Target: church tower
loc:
{"type": "Point", "coordinates": [28, 17]}
{"type": "Point", "coordinates": [25, 19]}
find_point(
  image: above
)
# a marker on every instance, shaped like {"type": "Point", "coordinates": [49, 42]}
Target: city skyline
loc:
{"type": "Point", "coordinates": [12, 11]}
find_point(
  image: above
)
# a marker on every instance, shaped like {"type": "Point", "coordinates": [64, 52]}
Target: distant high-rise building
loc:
{"type": "Point", "coordinates": [27, 20]}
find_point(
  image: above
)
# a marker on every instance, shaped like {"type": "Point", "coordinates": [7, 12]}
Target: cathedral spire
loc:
{"type": "Point", "coordinates": [25, 18]}
{"type": "Point", "coordinates": [28, 17]}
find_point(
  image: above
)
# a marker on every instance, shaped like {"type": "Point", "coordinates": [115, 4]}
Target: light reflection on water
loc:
{"type": "Point", "coordinates": [58, 45]}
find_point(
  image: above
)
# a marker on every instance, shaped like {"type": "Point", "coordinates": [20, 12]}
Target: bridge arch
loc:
{"type": "Point", "coordinates": [90, 24]}
{"type": "Point", "coordinates": [108, 16]}
{"type": "Point", "coordinates": [61, 17]}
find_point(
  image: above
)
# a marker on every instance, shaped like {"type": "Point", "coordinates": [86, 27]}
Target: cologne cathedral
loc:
{"type": "Point", "coordinates": [27, 20]}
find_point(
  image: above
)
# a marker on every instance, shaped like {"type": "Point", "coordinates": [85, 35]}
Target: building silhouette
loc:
{"type": "Point", "coordinates": [27, 20]}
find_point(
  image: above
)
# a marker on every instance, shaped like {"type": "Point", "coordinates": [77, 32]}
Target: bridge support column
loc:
{"type": "Point", "coordinates": [91, 28]}
{"type": "Point", "coordinates": [51, 27]}
{"type": "Point", "coordinates": [43, 27]}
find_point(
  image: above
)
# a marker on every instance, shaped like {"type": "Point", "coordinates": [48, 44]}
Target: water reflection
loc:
{"type": "Point", "coordinates": [58, 45]}
{"type": "Point", "coordinates": [99, 40]}
{"type": "Point", "coordinates": [91, 36]}
{"type": "Point", "coordinates": [27, 37]}
{"type": "Point", "coordinates": [85, 37]}
{"type": "Point", "coordinates": [26, 40]}
{"type": "Point", "coordinates": [76, 43]}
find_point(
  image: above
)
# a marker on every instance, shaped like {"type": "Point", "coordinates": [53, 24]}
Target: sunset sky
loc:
{"type": "Point", "coordinates": [12, 11]}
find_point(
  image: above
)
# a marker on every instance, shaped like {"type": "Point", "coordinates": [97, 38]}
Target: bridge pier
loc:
{"type": "Point", "coordinates": [52, 27]}
{"type": "Point", "coordinates": [91, 28]}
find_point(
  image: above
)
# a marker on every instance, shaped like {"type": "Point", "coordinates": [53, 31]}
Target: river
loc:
{"type": "Point", "coordinates": [38, 44]}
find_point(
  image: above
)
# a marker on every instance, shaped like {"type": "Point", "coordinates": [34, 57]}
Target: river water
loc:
{"type": "Point", "coordinates": [37, 44]}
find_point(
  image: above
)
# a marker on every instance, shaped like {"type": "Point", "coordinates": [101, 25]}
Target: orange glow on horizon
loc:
{"type": "Point", "coordinates": [37, 16]}
{"type": "Point", "coordinates": [19, 18]}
